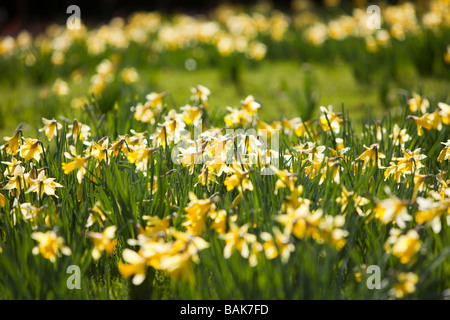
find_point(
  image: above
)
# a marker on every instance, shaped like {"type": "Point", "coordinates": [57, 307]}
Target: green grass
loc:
{"type": "Point", "coordinates": [277, 85]}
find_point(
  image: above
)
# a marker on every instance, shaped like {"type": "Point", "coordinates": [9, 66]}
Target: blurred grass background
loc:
{"type": "Point", "coordinates": [271, 83]}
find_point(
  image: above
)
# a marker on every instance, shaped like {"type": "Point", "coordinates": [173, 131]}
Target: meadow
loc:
{"type": "Point", "coordinates": [242, 153]}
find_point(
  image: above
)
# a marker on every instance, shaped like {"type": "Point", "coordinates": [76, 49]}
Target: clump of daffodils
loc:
{"type": "Point", "coordinates": [170, 251]}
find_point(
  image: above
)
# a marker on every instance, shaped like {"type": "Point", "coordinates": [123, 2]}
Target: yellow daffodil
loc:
{"type": "Point", "coordinates": [135, 266]}
{"type": "Point", "coordinates": [206, 177]}
{"type": "Point", "coordinates": [350, 197]}
{"type": "Point", "coordinates": [330, 120]}
{"type": "Point", "coordinates": [277, 245]}
{"type": "Point", "coordinates": [419, 184]}
{"type": "Point", "coordinates": [191, 115]}
{"type": "Point", "coordinates": [406, 284]}
{"type": "Point", "coordinates": [290, 126]}
{"type": "Point", "coordinates": [51, 127]}
{"type": "Point", "coordinates": [50, 245]}
{"type": "Point", "coordinates": [16, 181]}
{"type": "Point", "coordinates": [189, 157]}
{"type": "Point", "coordinates": [408, 164]}
{"type": "Point", "coordinates": [250, 105]}
{"type": "Point", "coordinates": [285, 179]}
{"type": "Point", "coordinates": [156, 224]}
{"type": "Point", "coordinates": [237, 117]}
{"type": "Point", "coordinates": [31, 149]}
{"type": "Point", "coordinates": [392, 209]}
{"type": "Point", "coordinates": [144, 113]}
{"type": "Point", "coordinates": [445, 152]}
{"type": "Point", "coordinates": [155, 100]}
{"type": "Point", "coordinates": [305, 224]}
{"type": "Point", "coordinates": [118, 146]}
{"type": "Point", "coordinates": [96, 214]}
{"type": "Point", "coordinates": [237, 239]}
{"type": "Point", "coordinates": [29, 211]}
{"type": "Point", "coordinates": [428, 121]}
{"type": "Point", "coordinates": [399, 137]}
{"type": "Point", "coordinates": [200, 95]}
{"type": "Point", "coordinates": [174, 257]}
{"type": "Point", "coordinates": [99, 150]}
{"type": "Point", "coordinates": [78, 130]}
{"type": "Point", "coordinates": [11, 166]}
{"type": "Point", "coordinates": [130, 75]}
{"type": "Point", "coordinates": [103, 242]}
{"type": "Point", "coordinates": [238, 178]}
{"type": "Point", "coordinates": [185, 251]}
{"type": "Point", "coordinates": [430, 211]}
{"type": "Point", "coordinates": [303, 128]}
{"type": "Point", "coordinates": [372, 155]}
{"type": "Point", "coordinates": [140, 157]}
{"type": "Point", "coordinates": [13, 143]}
{"type": "Point", "coordinates": [403, 246]}
{"type": "Point", "coordinates": [418, 103]}
{"type": "Point", "coordinates": [217, 150]}
{"type": "Point", "coordinates": [219, 220]}
{"type": "Point", "coordinates": [444, 112]}
{"type": "Point", "coordinates": [79, 163]}
{"type": "Point", "coordinates": [196, 213]}
{"type": "Point", "coordinates": [43, 185]}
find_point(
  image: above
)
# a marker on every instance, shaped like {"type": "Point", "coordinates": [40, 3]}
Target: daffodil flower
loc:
{"type": "Point", "coordinates": [330, 117]}
{"type": "Point", "coordinates": [191, 115]}
{"type": "Point", "coordinates": [350, 197]}
{"type": "Point", "coordinates": [219, 220]}
{"type": "Point", "coordinates": [51, 127]}
{"type": "Point", "coordinates": [200, 95]}
{"type": "Point", "coordinates": [279, 245]}
{"type": "Point", "coordinates": [96, 214]}
{"type": "Point", "coordinates": [13, 143]}
{"type": "Point", "coordinates": [444, 112]}
{"type": "Point", "coordinates": [78, 130]}
{"type": "Point", "coordinates": [79, 163]}
{"type": "Point", "coordinates": [155, 100]}
{"type": "Point", "coordinates": [430, 211]}
{"type": "Point", "coordinates": [16, 181]}
{"type": "Point", "coordinates": [408, 164]}
{"type": "Point", "coordinates": [418, 103]}
{"type": "Point", "coordinates": [144, 113]}
{"type": "Point", "coordinates": [196, 213]}
{"type": "Point", "coordinates": [392, 209]}
{"type": "Point", "coordinates": [11, 166]}
{"type": "Point", "coordinates": [103, 242]}
{"type": "Point", "coordinates": [406, 284]}
{"type": "Point", "coordinates": [404, 246]}
{"type": "Point", "coordinates": [250, 105]}
{"type": "Point", "coordinates": [135, 266]}
{"type": "Point", "coordinates": [100, 150]}
{"type": "Point", "coordinates": [399, 137]}
{"type": "Point", "coordinates": [445, 152]}
{"type": "Point", "coordinates": [237, 117]}
{"type": "Point", "coordinates": [238, 178]}
{"type": "Point", "coordinates": [237, 239]}
{"type": "Point", "coordinates": [427, 121]}
{"type": "Point", "coordinates": [50, 245]}
{"type": "Point", "coordinates": [372, 154]}
{"type": "Point", "coordinates": [31, 149]}
{"type": "Point", "coordinates": [43, 185]}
